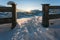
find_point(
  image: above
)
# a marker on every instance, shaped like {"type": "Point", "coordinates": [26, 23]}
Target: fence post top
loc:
{"type": "Point", "coordinates": [11, 3]}
{"type": "Point", "coordinates": [45, 4]}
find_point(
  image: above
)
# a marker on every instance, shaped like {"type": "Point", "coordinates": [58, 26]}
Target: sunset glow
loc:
{"type": "Point", "coordinates": [28, 9]}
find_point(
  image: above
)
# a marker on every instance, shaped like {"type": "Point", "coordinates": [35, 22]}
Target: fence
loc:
{"type": "Point", "coordinates": [11, 19]}
{"type": "Point", "coordinates": [46, 16]}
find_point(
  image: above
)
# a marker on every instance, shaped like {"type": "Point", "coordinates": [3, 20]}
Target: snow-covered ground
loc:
{"type": "Point", "coordinates": [31, 29]}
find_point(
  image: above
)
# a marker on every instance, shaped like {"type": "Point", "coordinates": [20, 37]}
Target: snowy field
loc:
{"type": "Point", "coordinates": [31, 29]}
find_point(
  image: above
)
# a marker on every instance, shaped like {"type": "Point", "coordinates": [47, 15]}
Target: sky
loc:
{"type": "Point", "coordinates": [28, 5]}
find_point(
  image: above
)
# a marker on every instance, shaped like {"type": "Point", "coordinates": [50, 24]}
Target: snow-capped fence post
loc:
{"type": "Point", "coordinates": [45, 18]}
{"type": "Point", "coordinates": [13, 13]}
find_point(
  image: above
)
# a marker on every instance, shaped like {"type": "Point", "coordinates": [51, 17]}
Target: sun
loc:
{"type": "Point", "coordinates": [28, 9]}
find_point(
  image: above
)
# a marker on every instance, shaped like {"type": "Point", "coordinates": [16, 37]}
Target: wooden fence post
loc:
{"type": "Point", "coordinates": [13, 16]}
{"type": "Point", "coordinates": [45, 17]}
{"type": "Point", "coordinates": [13, 13]}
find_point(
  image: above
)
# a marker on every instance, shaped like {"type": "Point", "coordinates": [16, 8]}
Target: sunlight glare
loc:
{"type": "Point", "coordinates": [28, 10]}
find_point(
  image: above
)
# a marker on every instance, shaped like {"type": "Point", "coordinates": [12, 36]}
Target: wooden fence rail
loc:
{"type": "Point", "coordinates": [5, 9]}
{"type": "Point", "coordinates": [5, 20]}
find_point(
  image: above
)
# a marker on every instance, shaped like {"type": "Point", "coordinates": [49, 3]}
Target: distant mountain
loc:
{"type": "Point", "coordinates": [36, 11]}
{"type": "Point", "coordinates": [29, 14]}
